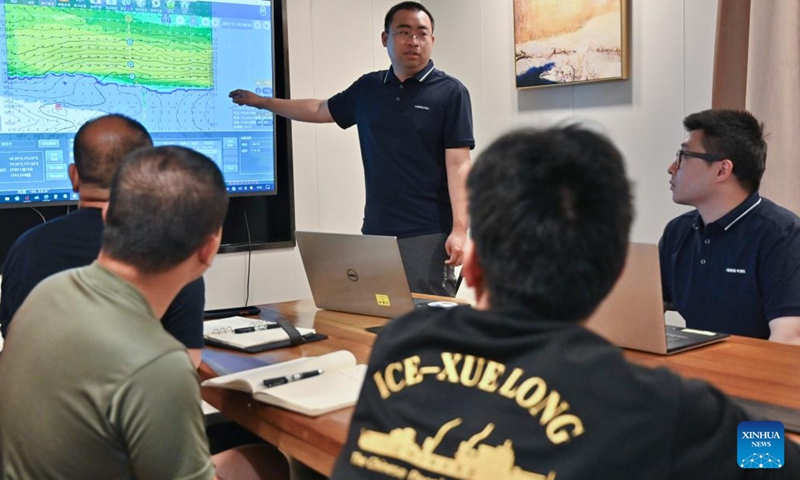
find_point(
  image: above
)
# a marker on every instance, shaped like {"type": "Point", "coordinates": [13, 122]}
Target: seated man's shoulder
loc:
{"type": "Point", "coordinates": [184, 317]}
{"type": "Point", "coordinates": [60, 244]}
{"type": "Point", "coordinates": [84, 225]}
{"type": "Point", "coordinates": [188, 304]}
{"type": "Point", "coordinates": [32, 238]}
{"type": "Point", "coordinates": [780, 218]}
{"type": "Point", "coordinates": [194, 289]}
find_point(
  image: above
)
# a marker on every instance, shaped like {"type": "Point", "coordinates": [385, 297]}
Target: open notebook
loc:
{"type": "Point", "coordinates": [335, 381]}
{"type": "Point", "coordinates": [632, 315]}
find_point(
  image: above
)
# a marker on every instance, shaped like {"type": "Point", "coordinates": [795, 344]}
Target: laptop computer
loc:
{"type": "Point", "coordinates": [632, 315]}
{"type": "Point", "coordinates": [361, 274]}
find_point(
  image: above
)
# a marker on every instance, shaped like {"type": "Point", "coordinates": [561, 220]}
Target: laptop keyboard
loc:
{"type": "Point", "coordinates": [421, 303]}
{"type": "Point", "coordinates": [678, 339]}
{"type": "Point", "coordinates": [673, 337]}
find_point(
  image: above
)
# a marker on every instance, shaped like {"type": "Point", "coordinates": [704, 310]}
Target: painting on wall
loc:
{"type": "Point", "coordinates": [563, 42]}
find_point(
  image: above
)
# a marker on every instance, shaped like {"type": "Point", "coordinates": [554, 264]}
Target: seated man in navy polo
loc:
{"type": "Point", "coordinates": [733, 264]}
{"type": "Point", "coordinates": [74, 240]}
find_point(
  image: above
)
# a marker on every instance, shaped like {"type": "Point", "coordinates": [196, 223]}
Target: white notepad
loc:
{"type": "Point", "coordinates": [336, 387]}
{"type": "Point", "coordinates": [222, 332]}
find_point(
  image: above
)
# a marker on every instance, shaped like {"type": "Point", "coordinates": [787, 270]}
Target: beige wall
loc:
{"type": "Point", "coordinates": [332, 42]}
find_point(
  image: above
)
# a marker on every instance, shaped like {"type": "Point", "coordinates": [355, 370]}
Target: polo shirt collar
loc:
{"type": "Point", "coordinates": [742, 210]}
{"type": "Point", "coordinates": [421, 76]}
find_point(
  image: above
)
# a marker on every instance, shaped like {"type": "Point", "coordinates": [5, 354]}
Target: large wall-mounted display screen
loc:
{"type": "Point", "coordinates": [169, 64]}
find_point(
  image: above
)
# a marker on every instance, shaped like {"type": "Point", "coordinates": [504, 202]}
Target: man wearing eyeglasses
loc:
{"type": "Point", "coordinates": [733, 264]}
{"type": "Point", "coordinates": [415, 131]}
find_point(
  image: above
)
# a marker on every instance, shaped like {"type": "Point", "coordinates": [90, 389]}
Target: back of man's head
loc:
{"type": "Point", "coordinates": [550, 216]}
{"type": "Point", "coordinates": [103, 142]}
{"type": "Point", "coordinates": [736, 135]}
{"type": "Point", "coordinates": [165, 203]}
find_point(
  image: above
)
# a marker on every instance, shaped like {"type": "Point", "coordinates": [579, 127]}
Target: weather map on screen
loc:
{"type": "Point", "coordinates": [168, 64]}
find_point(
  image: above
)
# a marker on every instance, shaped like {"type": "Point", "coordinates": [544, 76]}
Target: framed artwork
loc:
{"type": "Point", "coordinates": [564, 42]}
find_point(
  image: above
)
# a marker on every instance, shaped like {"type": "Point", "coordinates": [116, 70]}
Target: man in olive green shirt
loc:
{"type": "Point", "coordinates": [93, 387]}
{"type": "Point", "coordinates": [109, 362]}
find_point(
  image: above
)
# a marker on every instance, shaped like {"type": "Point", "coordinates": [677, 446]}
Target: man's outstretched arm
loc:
{"type": "Point", "coordinates": [306, 110]}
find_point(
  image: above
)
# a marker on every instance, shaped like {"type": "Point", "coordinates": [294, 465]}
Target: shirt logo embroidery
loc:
{"type": "Point", "coordinates": [472, 456]}
{"type": "Point", "coordinates": [741, 271]}
{"type": "Point", "coordinates": [422, 107]}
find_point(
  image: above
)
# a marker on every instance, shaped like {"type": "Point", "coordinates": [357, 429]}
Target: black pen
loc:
{"type": "Point", "coordinates": [254, 328]}
{"type": "Point", "coordinates": [274, 382]}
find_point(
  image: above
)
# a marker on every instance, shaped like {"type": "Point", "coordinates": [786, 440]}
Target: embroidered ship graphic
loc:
{"type": "Point", "coordinates": [471, 461]}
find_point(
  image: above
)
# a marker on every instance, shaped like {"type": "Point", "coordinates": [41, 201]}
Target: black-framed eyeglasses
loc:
{"type": "Point", "coordinates": [682, 154]}
{"type": "Point", "coordinates": [408, 35]}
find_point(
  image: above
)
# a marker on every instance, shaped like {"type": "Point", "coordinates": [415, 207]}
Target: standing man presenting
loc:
{"type": "Point", "coordinates": [415, 131]}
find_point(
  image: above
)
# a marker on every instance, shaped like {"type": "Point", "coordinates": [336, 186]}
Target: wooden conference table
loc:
{"type": "Point", "coordinates": [743, 367]}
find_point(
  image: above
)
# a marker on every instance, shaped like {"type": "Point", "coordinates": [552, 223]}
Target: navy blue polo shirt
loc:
{"type": "Point", "coordinates": [736, 274]}
{"type": "Point", "coordinates": [404, 129]}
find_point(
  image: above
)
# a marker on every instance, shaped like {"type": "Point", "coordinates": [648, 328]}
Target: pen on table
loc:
{"type": "Point", "coordinates": [254, 328]}
{"type": "Point", "coordinates": [274, 382]}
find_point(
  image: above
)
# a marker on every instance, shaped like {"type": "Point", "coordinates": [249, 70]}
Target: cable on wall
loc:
{"type": "Point", "coordinates": [44, 220]}
{"type": "Point", "coordinates": [249, 256]}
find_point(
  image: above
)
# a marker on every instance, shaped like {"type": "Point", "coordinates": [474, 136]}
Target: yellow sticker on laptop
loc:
{"type": "Point", "coordinates": [383, 300]}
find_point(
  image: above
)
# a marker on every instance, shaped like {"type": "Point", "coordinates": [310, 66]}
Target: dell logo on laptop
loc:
{"type": "Point", "coordinates": [352, 275]}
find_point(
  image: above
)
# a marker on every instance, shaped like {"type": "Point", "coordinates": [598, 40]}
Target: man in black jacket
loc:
{"type": "Point", "coordinates": [517, 387]}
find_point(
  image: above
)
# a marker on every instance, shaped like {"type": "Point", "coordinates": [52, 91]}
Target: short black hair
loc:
{"type": "Point", "coordinates": [550, 216]}
{"type": "Point", "coordinates": [413, 6]}
{"type": "Point", "coordinates": [97, 154]}
{"type": "Point", "coordinates": [736, 135]}
{"type": "Point", "coordinates": [165, 202]}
